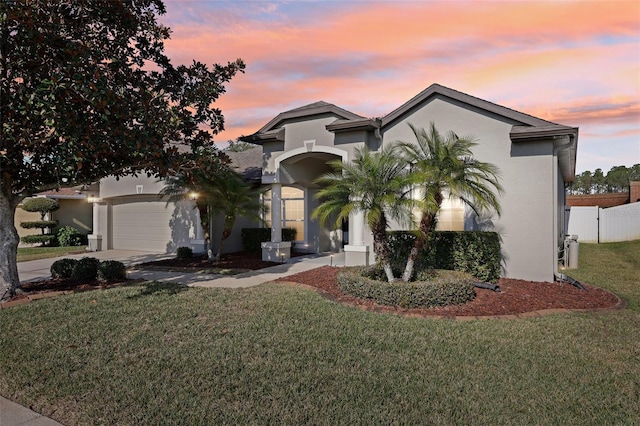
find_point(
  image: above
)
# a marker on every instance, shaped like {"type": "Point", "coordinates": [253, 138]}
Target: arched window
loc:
{"type": "Point", "coordinates": [292, 210]}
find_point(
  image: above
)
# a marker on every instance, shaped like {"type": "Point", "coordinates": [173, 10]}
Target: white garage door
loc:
{"type": "Point", "coordinates": [142, 225]}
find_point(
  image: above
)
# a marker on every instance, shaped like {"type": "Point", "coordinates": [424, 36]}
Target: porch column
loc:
{"type": "Point", "coordinates": [95, 238]}
{"type": "Point", "coordinates": [276, 250]}
{"type": "Point", "coordinates": [276, 213]}
{"type": "Point", "coordinates": [198, 243]}
{"type": "Point", "coordinates": [356, 253]}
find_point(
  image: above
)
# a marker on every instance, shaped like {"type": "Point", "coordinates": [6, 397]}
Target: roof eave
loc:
{"type": "Point", "coordinates": [367, 125]}
{"type": "Point", "coordinates": [565, 143]}
{"type": "Point", "coordinates": [259, 138]}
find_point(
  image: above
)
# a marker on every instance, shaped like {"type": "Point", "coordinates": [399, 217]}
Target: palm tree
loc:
{"type": "Point", "coordinates": [376, 184]}
{"type": "Point", "coordinates": [233, 197]}
{"type": "Point", "coordinates": [445, 164]}
{"type": "Point", "coordinates": [206, 177]}
{"type": "Point", "coordinates": [181, 186]}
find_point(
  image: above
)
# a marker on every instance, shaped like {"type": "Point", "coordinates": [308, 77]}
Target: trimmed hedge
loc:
{"type": "Point", "coordinates": [474, 252]}
{"type": "Point", "coordinates": [437, 287]}
{"type": "Point", "coordinates": [63, 268]}
{"type": "Point", "coordinates": [86, 269]}
{"type": "Point", "coordinates": [111, 270]}
{"type": "Point", "coordinates": [41, 224]}
{"type": "Point", "coordinates": [184, 253]}
{"type": "Point", "coordinates": [89, 269]}
{"type": "Point", "coordinates": [44, 239]}
{"type": "Point", "coordinates": [252, 238]}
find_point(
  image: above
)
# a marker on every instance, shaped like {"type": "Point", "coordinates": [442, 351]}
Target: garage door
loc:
{"type": "Point", "coordinates": [142, 225]}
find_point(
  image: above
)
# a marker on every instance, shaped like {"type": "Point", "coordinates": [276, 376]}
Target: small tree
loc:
{"type": "Point", "coordinates": [445, 164]}
{"type": "Point", "coordinates": [197, 180]}
{"type": "Point", "coordinates": [43, 206]}
{"type": "Point", "coordinates": [239, 146]}
{"type": "Point", "coordinates": [376, 184]}
{"type": "Point", "coordinates": [234, 197]}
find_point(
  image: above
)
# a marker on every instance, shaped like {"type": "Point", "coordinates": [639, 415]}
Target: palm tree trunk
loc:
{"type": "Point", "coordinates": [226, 233]}
{"type": "Point", "coordinates": [381, 247]}
{"type": "Point", "coordinates": [421, 240]}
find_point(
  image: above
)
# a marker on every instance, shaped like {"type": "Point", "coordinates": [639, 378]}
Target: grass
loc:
{"type": "Point", "coordinates": [164, 354]}
{"type": "Point", "coordinates": [34, 253]}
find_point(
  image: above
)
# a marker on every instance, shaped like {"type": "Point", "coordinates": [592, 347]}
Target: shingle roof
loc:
{"type": "Point", "coordinates": [248, 163]}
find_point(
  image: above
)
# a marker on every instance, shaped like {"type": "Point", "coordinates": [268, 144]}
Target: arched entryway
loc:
{"type": "Point", "coordinates": [292, 199]}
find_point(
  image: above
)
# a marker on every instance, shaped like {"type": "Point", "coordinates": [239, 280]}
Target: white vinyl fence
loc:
{"type": "Point", "coordinates": [596, 225]}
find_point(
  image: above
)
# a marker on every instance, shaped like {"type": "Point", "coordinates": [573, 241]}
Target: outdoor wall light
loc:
{"type": "Point", "coordinates": [193, 196]}
{"type": "Point", "coordinates": [93, 199]}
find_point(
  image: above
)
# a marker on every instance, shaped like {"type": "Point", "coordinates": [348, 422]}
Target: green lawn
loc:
{"type": "Point", "coordinates": [162, 354]}
{"type": "Point", "coordinates": [34, 253]}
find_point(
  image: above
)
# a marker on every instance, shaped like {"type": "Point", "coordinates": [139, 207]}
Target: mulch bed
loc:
{"type": "Point", "coordinates": [515, 297]}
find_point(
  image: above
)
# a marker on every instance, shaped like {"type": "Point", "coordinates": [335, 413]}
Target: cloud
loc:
{"type": "Point", "coordinates": [572, 62]}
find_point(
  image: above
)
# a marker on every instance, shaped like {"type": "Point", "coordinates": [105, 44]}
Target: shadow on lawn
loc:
{"type": "Point", "coordinates": [159, 288]}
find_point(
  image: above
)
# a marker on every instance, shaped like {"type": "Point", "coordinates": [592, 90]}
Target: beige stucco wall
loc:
{"type": "Point", "coordinates": [76, 213]}
{"type": "Point", "coordinates": [129, 185]}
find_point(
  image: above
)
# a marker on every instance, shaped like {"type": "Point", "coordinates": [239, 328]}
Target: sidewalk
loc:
{"type": "Point", "coordinates": [13, 414]}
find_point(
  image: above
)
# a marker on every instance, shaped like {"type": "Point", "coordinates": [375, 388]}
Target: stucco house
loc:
{"type": "Point", "coordinates": [536, 159]}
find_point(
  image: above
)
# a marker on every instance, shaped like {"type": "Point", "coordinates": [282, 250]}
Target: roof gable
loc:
{"type": "Point", "coordinates": [316, 108]}
{"type": "Point", "coordinates": [436, 90]}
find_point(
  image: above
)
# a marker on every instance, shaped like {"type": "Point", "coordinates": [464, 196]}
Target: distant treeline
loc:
{"type": "Point", "coordinates": [616, 180]}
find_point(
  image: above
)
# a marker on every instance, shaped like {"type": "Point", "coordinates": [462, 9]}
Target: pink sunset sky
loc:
{"type": "Point", "coordinates": [575, 63]}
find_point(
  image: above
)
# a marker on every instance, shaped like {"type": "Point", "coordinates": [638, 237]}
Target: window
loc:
{"type": "Point", "coordinates": [292, 210]}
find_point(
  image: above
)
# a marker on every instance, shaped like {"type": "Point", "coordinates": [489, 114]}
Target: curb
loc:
{"type": "Point", "coordinates": [33, 297]}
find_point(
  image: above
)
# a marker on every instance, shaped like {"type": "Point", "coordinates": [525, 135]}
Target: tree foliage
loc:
{"type": "Point", "coordinates": [216, 189]}
{"type": "Point", "coordinates": [239, 146]}
{"type": "Point", "coordinates": [376, 184]}
{"type": "Point", "coordinates": [616, 180]}
{"type": "Point", "coordinates": [443, 164]}
{"type": "Point", "coordinates": [87, 91]}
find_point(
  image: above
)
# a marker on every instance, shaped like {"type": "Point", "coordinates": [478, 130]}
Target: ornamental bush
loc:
{"type": "Point", "coordinates": [43, 206]}
{"type": "Point", "coordinates": [184, 253]}
{"type": "Point", "coordinates": [435, 287]}
{"type": "Point", "coordinates": [111, 270]}
{"type": "Point", "coordinates": [86, 269]}
{"type": "Point", "coordinates": [45, 240]}
{"type": "Point", "coordinates": [69, 236]}
{"type": "Point", "coordinates": [63, 268]}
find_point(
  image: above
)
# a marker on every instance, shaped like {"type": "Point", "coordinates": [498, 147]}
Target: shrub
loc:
{"type": "Point", "coordinates": [86, 269]}
{"type": "Point", "coordinates": [252, 238]}
{"type": "Point", "coordinates": [39, 224]}
{"type": "Point", "coordinates": [69, 236]}
{"type": "Point", "coordinates": [474, 252]}
{"type": "Point", "coordinates": [436, 287]}
{"type": "Point", "coordinates": [111, 270]}
{"type": "Point", "coordinates": [184, 253]}
{"type": "Point", "coordinates": [40, 205]}
{"type": "Point", "coordinates": [46, 239]}
{"type": "Point", "coordinates": [63, 268]}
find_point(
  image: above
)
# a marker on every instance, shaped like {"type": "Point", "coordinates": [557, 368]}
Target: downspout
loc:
{"type": "Point", "coordinates": [557, 146]}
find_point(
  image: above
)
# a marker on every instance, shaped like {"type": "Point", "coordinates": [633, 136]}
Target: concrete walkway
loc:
{"type": "Point", "coordinates": [13, 414]}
